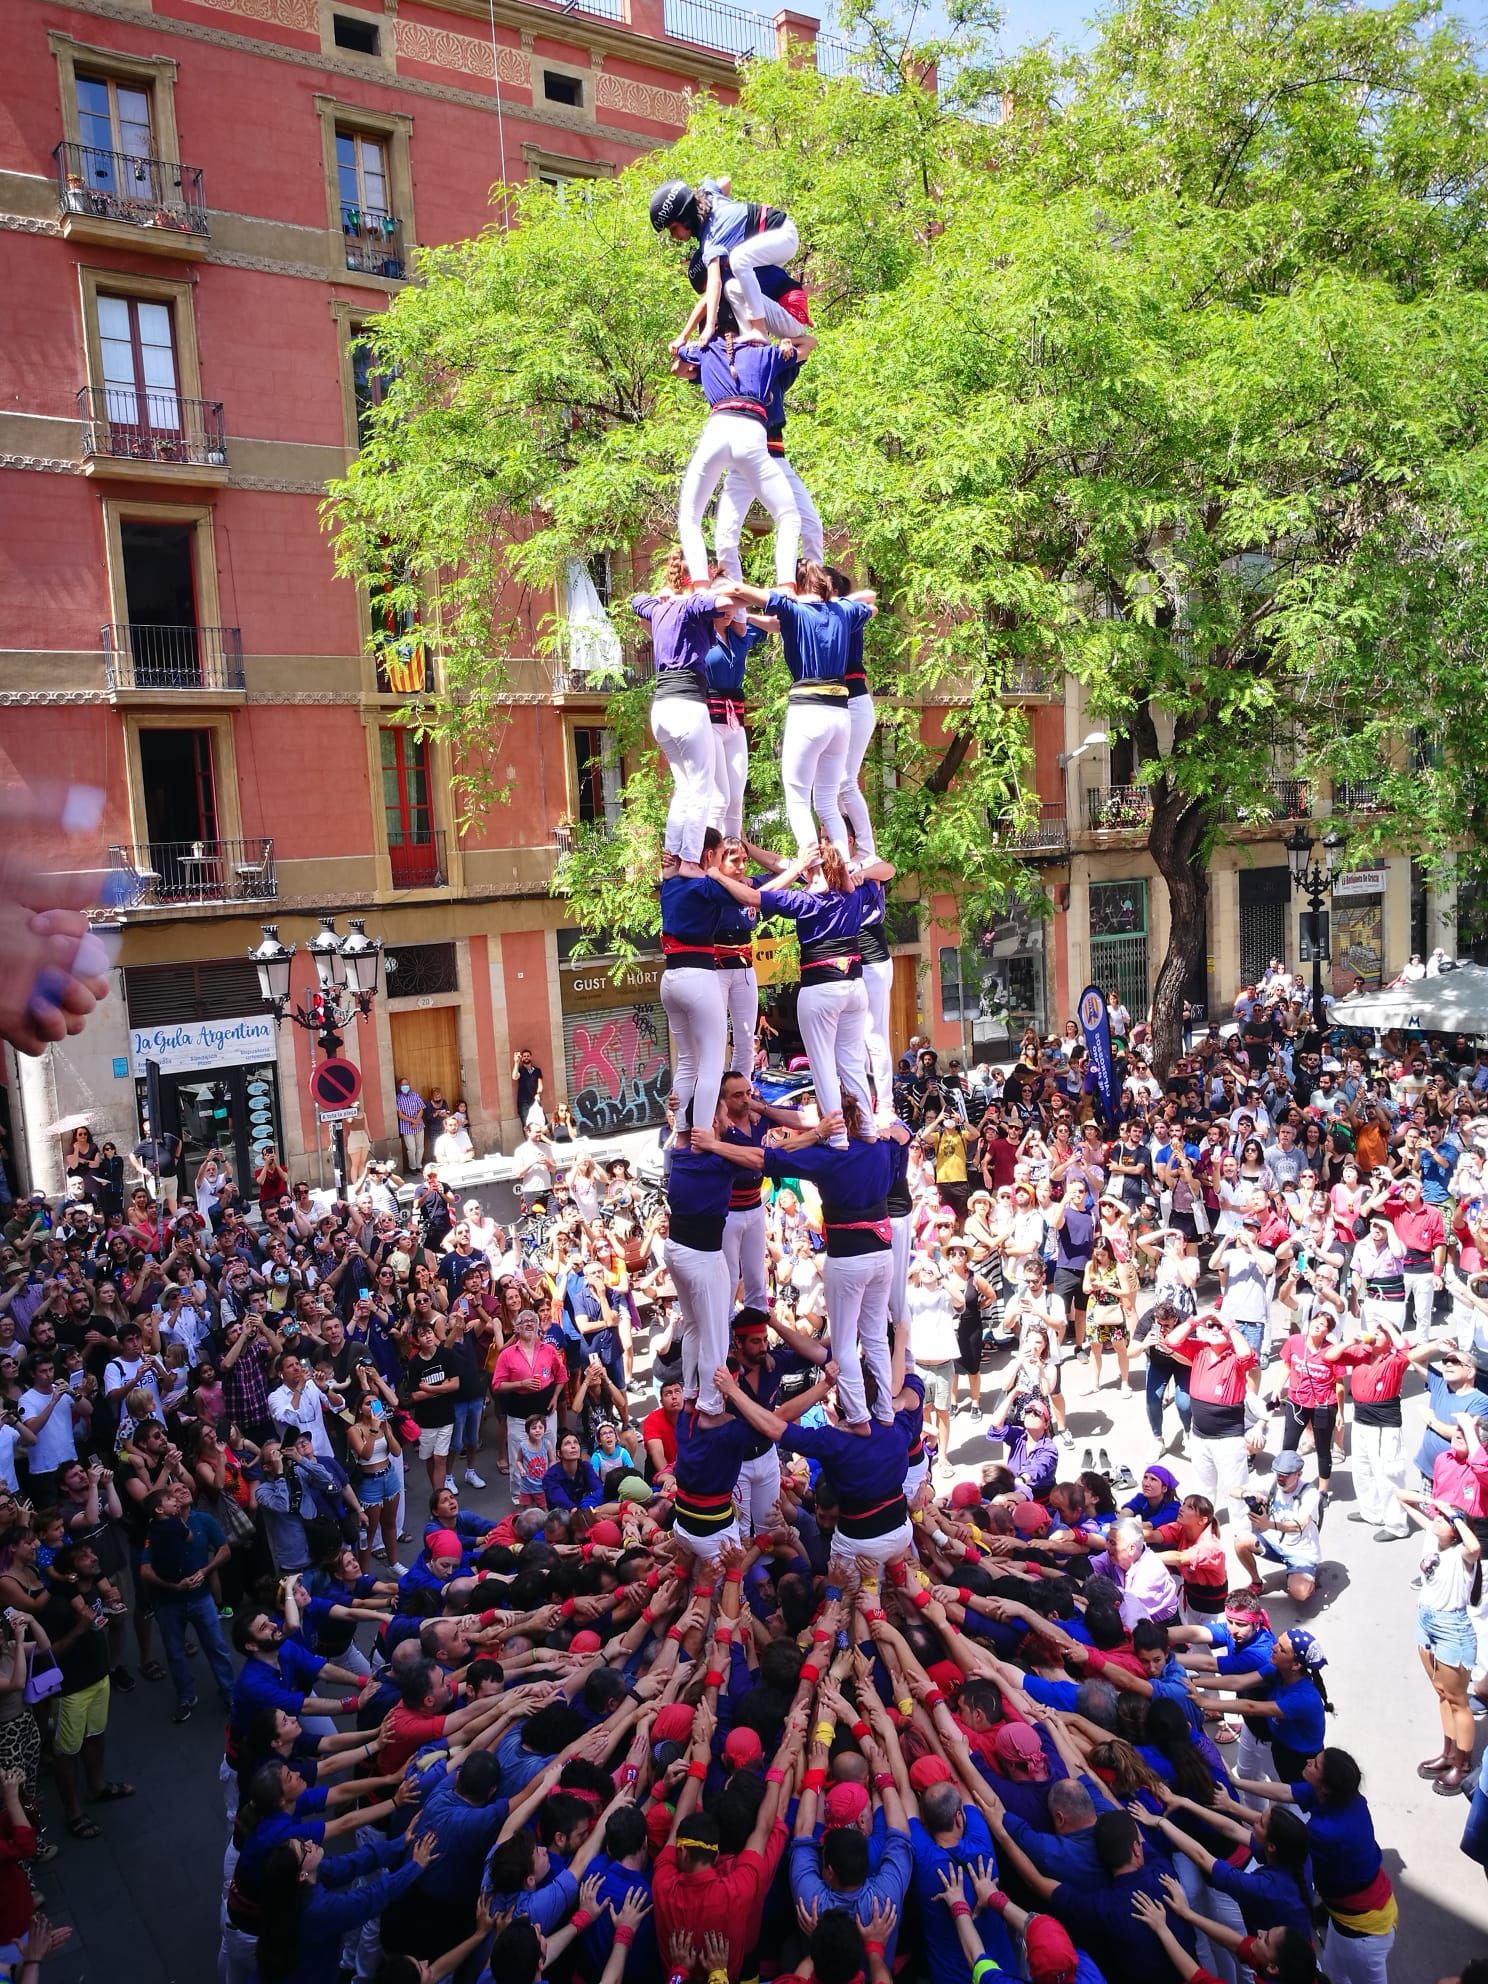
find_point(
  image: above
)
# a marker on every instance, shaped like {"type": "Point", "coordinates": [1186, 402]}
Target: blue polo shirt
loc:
{"type": "Point", "coordinates": [944, 1957]}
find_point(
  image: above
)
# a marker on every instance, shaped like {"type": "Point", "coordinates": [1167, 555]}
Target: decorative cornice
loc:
{"type": "Point", "coordinates": [441, 48]}
{"type": "Point", "coordinates": [29, 224]}
{"type": "Point", "coordinates": [276, 485]}
{"type": "Point", "coordinates": [352, 697]}
{"type": "Point", "coordinates": [612, 92]}
{"type": "Point", "coordinates": [42, 464]}
{"type": "Point", "coordinates": [34, 698]}
{"type": "Point", "coordinates": [632, 48]}
{"type": "Point", "coordinates": [268, 265]}
{"type": "Point", "coordinates": [301, 15]}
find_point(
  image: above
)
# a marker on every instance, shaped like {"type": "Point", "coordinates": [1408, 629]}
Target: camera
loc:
{"type": "Point", "coordinates": [1255, 1503]}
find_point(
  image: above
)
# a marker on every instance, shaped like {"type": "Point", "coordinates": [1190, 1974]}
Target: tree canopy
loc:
{"type": "Point", "coordinates": [1174, 378]}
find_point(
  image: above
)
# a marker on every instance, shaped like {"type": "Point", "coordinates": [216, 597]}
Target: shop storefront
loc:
{"type": "Point", "coordinates": [219, 1088]}
{"type": "Point", "coordinates": [1357, 929]}
{"type": "Point", "coordinates": [617, 1064]}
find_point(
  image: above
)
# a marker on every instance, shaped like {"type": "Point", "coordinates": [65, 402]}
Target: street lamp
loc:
{"type": "Point", "coordinates": [349, 971]}
{"type": "Point", "coordinates": [1315, 882]}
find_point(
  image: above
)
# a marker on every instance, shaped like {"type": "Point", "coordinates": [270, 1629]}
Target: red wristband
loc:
{"type": "Point", "coordinates": [735, 1576]}
{"type": "Point", "coordinates": [774, 1776]}
{"type": "Point", "coordinates": [860, 1729]}
{"type": "Point", "coordinates": [814, 1780]}
{"type": "Point", "coordinates": [884, 1781]}
{"type": "Point", "coordinates": [960, 1908]}
{"type": "Point", "coordinates": [566, 1609]}
{"type": "Point", "coordinates": [675, 1633]}
{"type": "Point", "coordinates": [999, 1901]}
{"type": "Point", "coordinates": [963, 1594]}
{"type": "Point", "coordinates": [648, 1615]}
{"type": "Point", "coordinates": [971, 1554]}
{"type": "Point", "coordinates": [712, 1679]}
{"type": "Point", "coordinates": [822, 1637]}
{"type": "Point", "coordinates": [874, 1949]}
{"type": "Point", "coordinates": [810, 1671]}
{"type": "Point", "coordinates": [624, 1934]}
{"type": "Point", "coordinates": [488, 1618]}
{"type": "Point", "coordinates": [350, 1704]}
{"type": "Point", "coordinates": [653, 1579]}
{"type": "Point", "coordinates": [581, 1919]}
{"type": "Point", "coordinates": [723, 1635]}
{"type": "Point", "coordinates": [586, 1551]}
{"type": "Point", "coordinates": [698, 1769]}
{"type": "Point", "coordinates": [920, 1599]}
{"type": "Point", "coordinates": [933, 1698]}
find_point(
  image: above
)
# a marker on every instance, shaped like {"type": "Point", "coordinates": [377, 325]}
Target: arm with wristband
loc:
{"type": "Point", "coordinates": [699, 1754]}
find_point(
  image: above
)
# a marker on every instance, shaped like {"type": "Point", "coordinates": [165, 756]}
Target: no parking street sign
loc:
{"type": "Point", "coordinates": [335, 1084]}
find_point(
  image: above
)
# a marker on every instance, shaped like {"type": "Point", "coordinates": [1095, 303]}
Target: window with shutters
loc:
{"type": "Point", "coordinates": [211, 989]}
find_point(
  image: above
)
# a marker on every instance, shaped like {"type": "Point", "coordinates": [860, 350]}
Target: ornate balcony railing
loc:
{"type": "Point", "coordinates": [1048, 834]}
{"type": "Point", "coordinates": [1356, 795]}
{"type": "Point", "coordinates": [1286, 799]}
{"type": "Point", "coordinates": [127, 425]}
{"type": "Point", "coordinates": [1113, 808]}
{"type": "Point", "coordinates": [142, 192]}
{"type": "Point", "coordinates": [143, 655]}
{"type": "Point", "coordinates": [195, 871]}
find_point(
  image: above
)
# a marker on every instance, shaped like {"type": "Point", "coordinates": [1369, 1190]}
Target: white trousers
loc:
{"type": "Point", "coordinates": [1356, 1959]}
{"type": "Point", "coordinates": [1379, 1469]}
{"type": "Point", "coordinates": [413, 1156]}
{"type": "Point", "coordinates": [833, 1020]}
{"type": "Point", "coordinates": [709, 1547]}
{"type": "Point", "coordinates": [881, 1549]}
{"type": "Point", "coordinates": [771, 248]}
{"type": "Point", "coordinates": [1420, 1300]}
{"type": "Point", "coordinates": [1220, 1471]}
{"type": "Point", "coordinates": [1218, 1907]}
{"type": "Point", "coordinates": [914, 1477]}
{"type": "Point", "coordinates": [695, 1010]}
{"type": "Point", "coordinates": [857, 1291]}
{"type": "Point", "coordinates": [878, 982]}
{"type": "Point", "coordinates": [860, 722]}
{"type": "Point", "coordinates": [1373, 1311]}
{"type": "Point", "coordinates": [701, 1281]}
{"type": "Point", "coordinates": [813, 756]}
{"type": "Point", "coordinates": [758, 1491]}
{"type": "Point", "coordinates": [902, 1245]}
{"type": "Point", "coordinates": [744, 1255]}
{"type": "Point", "coordinates": [741, 1002]}
{"type": "Point", "coordinates": [682, 729]}
{"type": "Point", "coordinates": [734, 442]}
{"type": "Point", "coordinates": [734, 503]}
{"type": "Point", "coordinates": [730, 774]}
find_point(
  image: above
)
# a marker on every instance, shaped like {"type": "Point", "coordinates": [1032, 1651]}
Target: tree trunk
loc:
{"type": "Point", "coordinates": [1176, 842]}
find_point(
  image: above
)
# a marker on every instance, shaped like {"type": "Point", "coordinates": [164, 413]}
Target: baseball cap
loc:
{"type": "Point", "coordinates": [844, 1805]}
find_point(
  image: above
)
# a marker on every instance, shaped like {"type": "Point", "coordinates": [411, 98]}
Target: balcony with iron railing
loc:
{"type": "Point", "coordinates": [108, 196]}
{"type": "Point", "coordinates": [162, 873]}
{"type": "Point", "coordinates": [1357, 795]}
{"type": "Point", "coordinates": [1047, 835]}
{"type": "Point", "coordinates": [1118, 808]}
{"type": "Point", "coordinates": [144, 658]}
{"type": "Point", "coordinates": [419, 864]}
{"type": "Point", "coordinates": [374, 243]}
{"type": "Point", "coordinates": [637, 665]}
{"type": "Point", "coordinates": [155, 435]}
{"type": "Point", "coordinates": [1284, 799]}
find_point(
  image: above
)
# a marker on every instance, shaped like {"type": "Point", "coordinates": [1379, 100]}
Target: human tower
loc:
{"type": "Point", "coordinates": [744, 344]}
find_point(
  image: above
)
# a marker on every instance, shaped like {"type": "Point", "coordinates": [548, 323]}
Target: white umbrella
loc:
{"type": "Point", "coordinates": [1454, 1002]}
{"type": "Point", "coordinates": [65, 1125]}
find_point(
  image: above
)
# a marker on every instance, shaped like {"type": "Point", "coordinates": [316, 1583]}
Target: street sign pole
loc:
{"type": "Point", "coordinates": [335, 1085]}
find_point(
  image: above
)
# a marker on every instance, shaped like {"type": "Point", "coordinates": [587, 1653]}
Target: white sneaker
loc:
{"type": "Point", "coordinates": [472, 1479]}
{"type": "Point", "coordinates": [452, 1485]}
{"type": "Point", "coordinates": [395, 1567]}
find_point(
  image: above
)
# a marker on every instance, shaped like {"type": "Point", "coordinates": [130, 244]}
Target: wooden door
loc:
{"type": "Point", "coordinates": [903, 1005]}
{"type": "Point", "coordinates": [426, 1051]}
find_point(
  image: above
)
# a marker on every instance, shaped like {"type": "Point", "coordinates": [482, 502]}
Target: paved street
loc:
{"type": "Point", "coordinates": [144, 1897]}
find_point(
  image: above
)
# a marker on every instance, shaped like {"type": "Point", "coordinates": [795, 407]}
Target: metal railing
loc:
{"type": "Point", "coordinates": [1112, 807]}
{"type": "Point", "coordinates": [191, 871]}
{"type": "Point", "coordinates": [1356, 795]}
{"type": "Point", "coordinates": [144, 656]}
{"type": "Point", "coordinates": [729, 29]}
{"type": "Point", "coordinates": [418, 864]}
{"type": "Point", "coordinates": [374, 242]}
{"type": "Point", "coordinates": [1048, 834]}
{"type": "Point", "coordinates": [1032, 678]}
{"type": "Point", "coordinates": [638, 665]}
{"type": "Point", "coordinates": [143, 192]}
{"type": "Point", "coordinates": [128, 425]}
{"type": "Point", "coordinates": [565, 837]}
{"type": "Point", "coordinates": [1286, 799]}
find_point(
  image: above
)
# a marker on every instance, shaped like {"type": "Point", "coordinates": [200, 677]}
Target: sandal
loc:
{"type": "Point", "coordinates": [151, 1670]}
{"type": "Point", "coordinates": [82, 1827]}
{"type": "Point", "coordinates": [112, 1792]}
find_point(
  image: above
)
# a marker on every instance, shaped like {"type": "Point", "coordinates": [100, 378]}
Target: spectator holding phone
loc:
{"type": "Point", "coordinates": [372, 1447]}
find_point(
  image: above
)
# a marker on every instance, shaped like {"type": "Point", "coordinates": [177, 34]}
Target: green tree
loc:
{"type": "Point", "coordinates": [1174, 379]}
